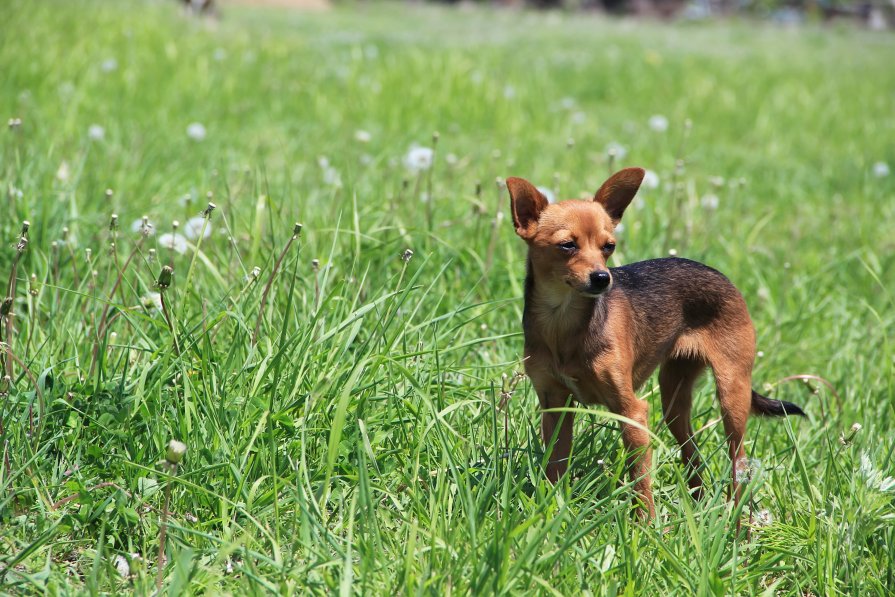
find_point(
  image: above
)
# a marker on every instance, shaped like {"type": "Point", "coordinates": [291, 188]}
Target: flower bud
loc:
{"type": "Point", "coordinates": [164, 278]}
{"type": "Point", "coordinates": [175, 452]}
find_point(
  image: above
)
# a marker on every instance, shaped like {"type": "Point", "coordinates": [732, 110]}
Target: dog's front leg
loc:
{"type": "Point", "coordinates": [636, 440]}
{"type": "Point", "coordinates": [556, 427]}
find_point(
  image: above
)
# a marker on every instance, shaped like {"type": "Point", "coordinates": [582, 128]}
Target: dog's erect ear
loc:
{"type": "Point", "coordinates": [618, 191]}
{"type": "Point", "coordinates": [526, 203]}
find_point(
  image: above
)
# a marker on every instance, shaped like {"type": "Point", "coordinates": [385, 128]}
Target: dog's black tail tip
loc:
{"type": "Point", "coordinates": [762, 405]}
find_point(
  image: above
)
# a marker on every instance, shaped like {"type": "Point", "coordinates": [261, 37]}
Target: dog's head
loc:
{"type": "Point", "coordinates": [570, 242]}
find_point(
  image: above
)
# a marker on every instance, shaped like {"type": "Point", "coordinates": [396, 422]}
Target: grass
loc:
{"type": "Point", "coordinates": [357, 443]}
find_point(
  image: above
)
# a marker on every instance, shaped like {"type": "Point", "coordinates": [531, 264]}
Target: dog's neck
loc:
{"type": "Point", "coordinates": [555, 313]}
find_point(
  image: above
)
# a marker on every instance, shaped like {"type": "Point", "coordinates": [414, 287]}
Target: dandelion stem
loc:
{"type": "Point", "coordinates": [296, 231]}
{"type": "Point", "coordinates": [207, 215]}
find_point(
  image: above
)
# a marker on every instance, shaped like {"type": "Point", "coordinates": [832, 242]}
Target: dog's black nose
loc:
{"type": "Point", "coordinates": [599, 281]}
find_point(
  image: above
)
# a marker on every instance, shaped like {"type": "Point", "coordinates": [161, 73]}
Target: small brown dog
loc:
{"type": "Point", "coordinates": [597, 333]}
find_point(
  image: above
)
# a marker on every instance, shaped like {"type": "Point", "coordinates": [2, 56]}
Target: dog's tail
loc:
{"type": "Point", "coordinates": [762, 405]}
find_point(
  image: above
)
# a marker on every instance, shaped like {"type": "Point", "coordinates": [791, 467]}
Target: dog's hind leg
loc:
{"type": "Point", "coordinates": [734, 383]}
{"type": "Point", "coordinates": [676, 379]}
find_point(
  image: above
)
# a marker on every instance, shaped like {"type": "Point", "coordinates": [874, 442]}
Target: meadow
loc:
{"type": "Point", "coordinates": [346, 390]}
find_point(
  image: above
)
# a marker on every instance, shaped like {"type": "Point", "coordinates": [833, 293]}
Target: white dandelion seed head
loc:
{"type": "Point", "coordinates": [619, 228]}
{"type": "Point", "coordinates": [121, 565]}
{"type": "Point", "coordinates": [176, 242]}
{"type": "Point", "coordinates": [193, 228]}
{"type": "Point", "coordinates": [616, 149]}
{"type": "Point", "coordinates": [196, 131]}
{"type": "Point", "coordinates": [658, 123]}
{"type": "Point", "coordinates": [759, 354]}
{"type": "Point", "coordinates": [509, 92]}
{"type": "Point", "coordinates": [95, 132]}
{"type": "Point", "coordinates": [219, 54]}
{"type": "Point", "coordinates": [143, 226]}
{"type": "Point", "coordinates": [748, 469]}
{"type": "Point", "coordinates": [366, 159]}
{"type": "Point", "coordinates": [764, 518]}
{"type": "Point", "coordinates": [63, 173]}
{"type": "Point", "coordinates": [550, 195]}
{"type": "Point", "coordinates": [567, 103]}
{"type": "Point", "coordinates": [672, 252]}
{"type": "Point", "coordinates": [710, 201]}
{"type": "Point", "coordinates": [362, 136]}
{"type": "Point", "coordinates": [419, 158]}
{"type": "Point", "coordinates": [650, 180]}
{"type": "Point", "coordinates": [153, 300]}
{"type": "Point", "coordinates": [330, 175]}
{"type": "Point", "coordinates": [856, 427]}
{"type": "Point", "coordinates": [881, 169]}
{"type": "Point", "coordinates": [451, 159]}
{"type": "Point", "coordinates": [108, 65]}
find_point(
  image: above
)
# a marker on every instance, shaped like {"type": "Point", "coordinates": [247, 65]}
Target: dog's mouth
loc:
{"type": "Point", "coordinates": [594, 293]}
{"type": "Point", "coordinates": [588, 291]}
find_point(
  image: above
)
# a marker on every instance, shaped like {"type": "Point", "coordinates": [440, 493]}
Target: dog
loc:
{"type": "Point", "coordinates": [597, 333]}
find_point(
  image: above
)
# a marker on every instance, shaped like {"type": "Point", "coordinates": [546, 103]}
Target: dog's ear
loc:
{"type": "Point", "coordinates": [526, 203]}
{"type": "Point", "coordinates": [618, 191]}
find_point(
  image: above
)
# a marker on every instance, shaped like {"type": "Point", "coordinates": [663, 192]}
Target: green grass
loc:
{"type": "Point", "coordinates": [358, 445]}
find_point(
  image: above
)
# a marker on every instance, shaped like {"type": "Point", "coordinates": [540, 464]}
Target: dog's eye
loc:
{"type": "Point", "coordinates": [608, 248]}
{"type": "Point", "coordinates": [569, 245]}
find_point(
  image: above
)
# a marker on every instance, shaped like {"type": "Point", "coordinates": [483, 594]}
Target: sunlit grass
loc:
{"type": "Point", "coordinates": [357, 440]}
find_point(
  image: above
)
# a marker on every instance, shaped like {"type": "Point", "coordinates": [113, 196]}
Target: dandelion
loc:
{"type": "Point", "coordinates": [330, 175]}
{"type": "Point", "coordinates": [165, 278]}
{"type": "Point", "coordinates": [550, 195]}
{"type": "Point", "coordinates": [881, 169]}
{"type": "Point", "coordinates": [108, 65]}
{"type": "Point", "coordinates": [193, 228]}
{"type": "Point", "coordinates": [196, 131]}
{"type": "Point", "coordinates": [451, 159]}
{"type": "Point", "coordinates": [759, 354]}
{"type": "Point", "coordinates": [616, 150]}
{"type": "Point", "coordinates": [509, 92]}
{"type": "Point", "coordinates": [362, 136]}
{"type": "Point", "coordinates": [121, 565]}
{"type": "Point", "coordinates": [143, 226]}
{"type": "Point", "coordinates": [672, 252]}
{"type": "Point", "coordinates": [764, 518]}
{"type": "Point", "coordinates": [658, 123]}
{"type": "Point", "coordinates": [567, 103]}
{"type": "Point", "coordinates": [174, 241]}
{"type": "Point", "coordinates": [710, 201]}
{"type": "Point", "coordinates": [419, 158]}
{"type": "Point", "coordinates": [716, 181]}
{"type": "Point", "coordinates": [407, 255]}
{"type": "Point", "coordinates": [650, 180]}
{"type": "Point", "coordinates": [96, 133]}
{"type": "Point", "coordinates": [153, 300]}
{"type": "Point", "coordinates": [253, 275]}
{"type": "Point", "coordinates": [219, 54]}
{"type": "Point", "coordinates": [748, 470]}
{"type": "Point", "coordinates": [14, 123]}
{"type": "Point", "coordinates": [63, 172]}
{"type": "Point", "coordinates": [856, 427]}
